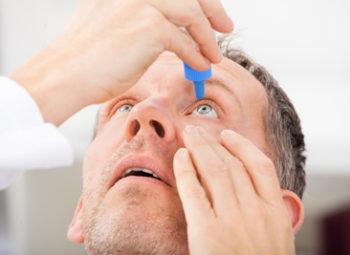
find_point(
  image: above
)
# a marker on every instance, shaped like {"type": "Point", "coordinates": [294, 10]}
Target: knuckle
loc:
{"type": "Point", "coordinates": [192, 8]}
{"type": "Point", "coordinates": [191, 12]}
{"type": "Point", "coordinates": [150, 16]}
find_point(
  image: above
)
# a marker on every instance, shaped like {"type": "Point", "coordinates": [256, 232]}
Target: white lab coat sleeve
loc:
{"type": "Point", "coordinates": [26, 141]}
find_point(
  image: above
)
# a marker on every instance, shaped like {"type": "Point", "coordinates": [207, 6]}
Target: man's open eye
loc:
{"type": "Point", "coordinates": [205, 110]}
{"type": "Point", "coordinates": [124, 108]}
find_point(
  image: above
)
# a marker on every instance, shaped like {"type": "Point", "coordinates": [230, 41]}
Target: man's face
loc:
{"type": "Point", "coordinates": [142, 129]}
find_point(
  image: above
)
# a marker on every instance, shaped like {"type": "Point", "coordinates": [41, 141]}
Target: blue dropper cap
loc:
{"type": "Point", "coordinates": [198, 78]}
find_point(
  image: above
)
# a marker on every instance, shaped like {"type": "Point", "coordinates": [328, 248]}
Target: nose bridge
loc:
{"type": "Point", "coordinates": [149, 118]}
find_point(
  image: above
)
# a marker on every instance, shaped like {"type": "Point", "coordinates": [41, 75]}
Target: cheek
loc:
{"type": "Point", "coordinates": [107, 140]}
{"type": "Point", "coordinates": [101, 149]}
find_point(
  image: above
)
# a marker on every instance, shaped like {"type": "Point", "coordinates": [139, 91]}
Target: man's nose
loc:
{"type": "Point", "coordinates": [149, 119]}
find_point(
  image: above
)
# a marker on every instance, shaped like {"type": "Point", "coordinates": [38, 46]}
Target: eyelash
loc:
{"type": "Point", "coordinates": [121, 102]}
{"type": "Point", "coordinates": [208, 101]}
{"type": "Point", "coordinates": [187, 111]}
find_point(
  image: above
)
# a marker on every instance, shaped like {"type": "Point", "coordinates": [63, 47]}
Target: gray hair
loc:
{"type": "Point", "coordinates": [284, 133]}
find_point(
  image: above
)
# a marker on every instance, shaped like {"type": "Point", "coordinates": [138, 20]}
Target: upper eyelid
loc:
{"type": "Point", "coordinates": [133, 101]}
{"type": "Point", "coordinates": [208, 101]}
{"type": "Point", "coordinates": [120, 102]}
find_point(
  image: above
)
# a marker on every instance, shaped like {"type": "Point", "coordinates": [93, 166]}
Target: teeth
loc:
{"type": "Point", "coordinates": [142, 170]}
{"type": "Point", "coordinates": [155, 176]}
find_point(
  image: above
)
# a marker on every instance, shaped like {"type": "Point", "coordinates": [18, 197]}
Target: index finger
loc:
{"type": "Point", "coordinates": [217, 16]}
{"type": "Point", "coordinates": [189, 14]}
{"type": "Point", "coordinates": [193, 197]}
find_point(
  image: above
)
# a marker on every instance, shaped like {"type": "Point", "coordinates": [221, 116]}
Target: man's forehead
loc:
{"type": "Point", "coordinates": [165, 76]}
{"type": "Point", "coordinates": [168, 67]}
{"type": "Point", "coordinates": [168, 57]}
{"type": "Point", "coordinates": [226, 68]}
{"type": "Point", "coordinates": [233, 88]}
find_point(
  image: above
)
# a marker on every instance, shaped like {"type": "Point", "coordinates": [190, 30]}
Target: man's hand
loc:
{"type": "Point", "coordinates": [109, 45]}
{"type": "Point", "coordinates": [231, 197]}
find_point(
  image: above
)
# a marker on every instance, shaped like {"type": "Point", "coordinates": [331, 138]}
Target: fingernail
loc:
{"type": "Point", "coordinates": [182, 153]}
{"type": "Point", "coordinates": [190, 129]}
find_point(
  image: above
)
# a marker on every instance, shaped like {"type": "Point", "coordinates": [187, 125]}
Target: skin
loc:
{"type": "Point", "coordinates": [222, 194]}
{"type": "Point", "coordinates": [108, 45]}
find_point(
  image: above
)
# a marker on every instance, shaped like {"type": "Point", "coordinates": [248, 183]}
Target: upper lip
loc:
{"type": "Point", "coordinates": [139, 162]}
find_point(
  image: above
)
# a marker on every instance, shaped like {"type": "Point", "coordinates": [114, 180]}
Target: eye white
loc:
{"type": "Point", "coordinates": [205, 110]}
{"type": "Point", "coordinates": [125, 108]}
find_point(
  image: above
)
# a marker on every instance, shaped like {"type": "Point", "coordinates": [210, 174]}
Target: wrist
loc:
{"type": "Point", "coordinates": [51, 85]}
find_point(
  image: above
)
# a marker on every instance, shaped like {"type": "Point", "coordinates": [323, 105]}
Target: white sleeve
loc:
{"type": "Point", "coordinates": [26, 142]}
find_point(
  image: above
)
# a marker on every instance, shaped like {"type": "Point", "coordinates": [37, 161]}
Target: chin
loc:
{"type": "Point", "coordinates": [136, 219]}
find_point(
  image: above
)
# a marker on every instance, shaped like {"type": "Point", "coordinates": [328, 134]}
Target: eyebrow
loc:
{"type": "Point", "coordinates": [219, 83]}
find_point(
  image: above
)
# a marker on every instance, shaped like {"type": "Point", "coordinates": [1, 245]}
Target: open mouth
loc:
{"type": "Point", "coordinates": [139, 167]}
{"type": "Point", "coordinates": [142, 172]}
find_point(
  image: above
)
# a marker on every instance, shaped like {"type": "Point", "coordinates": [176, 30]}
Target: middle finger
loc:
{"type": "Point", "coordinates": [189, 14]}
{"type": "Point", "coordinates": [242, 183]}
{"type": "Point", "coordinates": [214, 175]}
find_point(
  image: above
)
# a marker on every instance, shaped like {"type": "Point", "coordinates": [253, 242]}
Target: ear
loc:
{"type": "Point", "coordinates": [75, 229]}
{"type": "Point", "coordinates": [295, 208]}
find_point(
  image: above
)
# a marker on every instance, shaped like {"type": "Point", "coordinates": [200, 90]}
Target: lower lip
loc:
{"type": "Point", "coordinates": [139, 179]}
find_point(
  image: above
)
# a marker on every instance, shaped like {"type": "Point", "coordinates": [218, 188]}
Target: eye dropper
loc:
{"type": "Point", "coordinates": [198, 78]}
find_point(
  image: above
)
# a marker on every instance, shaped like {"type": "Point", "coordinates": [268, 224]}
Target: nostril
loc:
{"type": "Point", "coordinates": [158, 128]}
{"type": "Point", "coordinates": [134, 127]}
